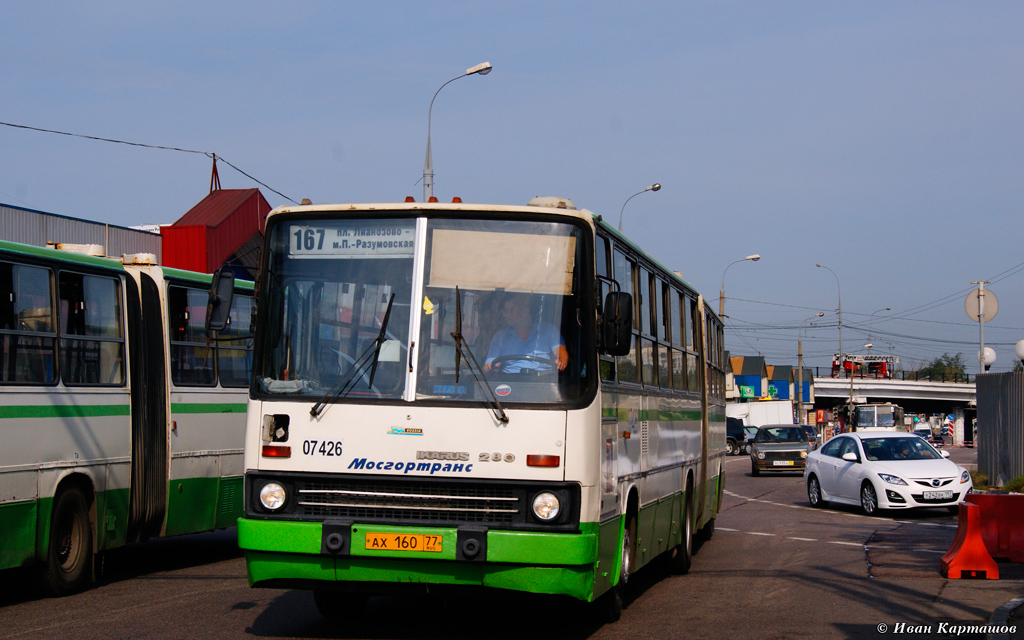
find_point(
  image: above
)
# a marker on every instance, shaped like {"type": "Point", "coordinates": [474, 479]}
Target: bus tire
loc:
{"type": "Point", "coordinates": [628, 561]}
{"type": "Point", "coordinates": [69, 549]}
{"type": "Point", "coordinates": [339, 605]}
{"type": "Point", "coordinates": [682, 555]}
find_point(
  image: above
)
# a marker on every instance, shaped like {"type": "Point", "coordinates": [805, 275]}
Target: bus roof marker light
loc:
{"type": "Point", "coordinates": [539, 460]}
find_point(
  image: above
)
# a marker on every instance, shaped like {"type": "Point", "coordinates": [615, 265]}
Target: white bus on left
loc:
{"type": "Point", "coordinates": [120, 420]}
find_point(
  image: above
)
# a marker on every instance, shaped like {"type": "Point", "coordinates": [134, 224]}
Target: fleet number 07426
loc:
{"type": "Point", "coordinates": [321, 448]}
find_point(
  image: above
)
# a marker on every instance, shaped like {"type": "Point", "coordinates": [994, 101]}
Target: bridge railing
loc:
{"type": "Point", "coordinates": [825, 372]}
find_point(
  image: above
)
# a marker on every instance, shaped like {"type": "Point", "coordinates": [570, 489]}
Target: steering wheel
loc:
{"type": "Point", "coordinates": [500, 362]}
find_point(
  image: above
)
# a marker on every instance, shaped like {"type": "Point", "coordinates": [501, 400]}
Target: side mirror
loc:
{"type": "Point", "coordinates": [945, 454]}
{"type": "Point", "coordinates": [850, 456]}
{"type": "Point", "coordinates": [218, 305]}
{"type": "Point", "coordinates": [617, 323]}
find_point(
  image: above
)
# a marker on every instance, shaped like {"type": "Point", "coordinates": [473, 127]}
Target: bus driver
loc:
{"type": "Point", "coordinates": [540, 342]}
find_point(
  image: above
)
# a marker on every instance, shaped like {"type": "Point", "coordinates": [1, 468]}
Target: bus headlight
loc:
{"type": "Point", "coordinates": [272, 496]}
{"type": "Point", "coordinates": [546, 506]}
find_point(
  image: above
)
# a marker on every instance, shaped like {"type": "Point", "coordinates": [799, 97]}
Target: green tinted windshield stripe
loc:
{"type": "Point", "coordinates": [64, 410]}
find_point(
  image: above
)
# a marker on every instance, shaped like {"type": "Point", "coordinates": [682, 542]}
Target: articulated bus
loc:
{"type": "Point", "coordinates": [466, 395]}
{"type": "Point", "coordinates": [120, 420]}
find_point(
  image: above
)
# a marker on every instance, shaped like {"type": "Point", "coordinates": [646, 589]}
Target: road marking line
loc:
{"type": "Point", "coordinates": [802, 539]}
{"type": "Point", "coordinates": [848, 544]}
{"type": "Point", "coordinates": [758, 533]}
{"type": "Point", "coordinates": [841, 513]}
{"type": "Point", "coordinates": [725, 529]}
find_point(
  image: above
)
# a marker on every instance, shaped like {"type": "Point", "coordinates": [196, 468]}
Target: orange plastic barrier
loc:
{"type": "Point", "coordinates": [1002, 524]}
{"type": "Point", "coordinates": [968, 557]}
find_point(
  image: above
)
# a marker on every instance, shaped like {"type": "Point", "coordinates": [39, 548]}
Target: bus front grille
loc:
{"type": "Point", "coordinates": [408, 502]}
{"type": "Point", "coordinates": [414, 500]}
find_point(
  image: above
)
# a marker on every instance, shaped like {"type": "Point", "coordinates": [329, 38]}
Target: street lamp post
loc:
{"type": "Point", "coordinates": [721, 292]}
{"type": "Point", "coordinates": [800, 368]}
{"type": "Point", "coordinates": [654, 187]}
{"type": "Point", "coordinates": [842, 356]}
{"type": "Point", "coordinates": [871, 323]}
{"type": "Point", "coordinates": [428, 165]}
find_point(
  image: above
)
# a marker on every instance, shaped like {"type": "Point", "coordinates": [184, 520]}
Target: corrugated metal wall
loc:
{"type": "Point", "coordinates": [37, 228]}
{"type": "Point", "coordinates": [1001, 426]}
{"type": "Point", "coordinates": [186, 248]}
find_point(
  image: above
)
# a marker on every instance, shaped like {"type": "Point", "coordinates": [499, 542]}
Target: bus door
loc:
{"type": "Point", "coordinates": [149, 410]}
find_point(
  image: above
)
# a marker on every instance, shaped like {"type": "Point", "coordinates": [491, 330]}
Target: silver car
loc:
{"type": "Point", "coordinates": [779, 447]}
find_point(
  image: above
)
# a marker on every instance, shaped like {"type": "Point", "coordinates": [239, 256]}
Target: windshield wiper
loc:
{"type": "Point", "coordinates": [381, 337]}
{"type": "Point", "coordinates": [347, 380]}
{"type": "Point", "coordinates": [460, 343]}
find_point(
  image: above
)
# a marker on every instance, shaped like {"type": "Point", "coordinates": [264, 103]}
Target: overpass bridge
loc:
{"type": "Point", "coordinates": [958, 399]}
{"type": "Point", "coordinates": [906, 393]}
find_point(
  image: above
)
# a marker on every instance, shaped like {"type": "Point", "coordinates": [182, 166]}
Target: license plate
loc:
{"type": "Point", "coordinates": [782, 463]}
{"type": "Point", "coordinates": [403, 542]}
{"type": "Point", "coordinates": [938, 495]}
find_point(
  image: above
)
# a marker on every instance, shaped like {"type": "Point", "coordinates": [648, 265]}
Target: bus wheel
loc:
{"type": "Point", "coordinates": [69, 552]}
{"type": "Point", "coordinates": [628, 551]}
{"type": "Point", "coordinates": [682, 556]}
{"type": "Point", "coordinates": [339, 605]}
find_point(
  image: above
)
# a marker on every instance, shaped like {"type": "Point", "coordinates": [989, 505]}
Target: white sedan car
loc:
{"type": "Point", "coordinates": [884, 470]}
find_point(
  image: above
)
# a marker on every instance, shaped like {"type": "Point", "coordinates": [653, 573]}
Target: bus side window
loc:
{"type": "Point", "coordinates": [678, 340]}
{"type": "Point", "coordinates": [624, 274]}
{"type": "Point", "coordinates": [191, 357]}
{"type": "Point", "coordinates": [234, 358]}
{"type": "Point", "coordinates": [693, 343]}
{"type": "Point", "coordinates": [662, 326]}
{"type": "Point", "coordinates": [91, 311]}
{"type": "Point", "coordinates": [27, 325]}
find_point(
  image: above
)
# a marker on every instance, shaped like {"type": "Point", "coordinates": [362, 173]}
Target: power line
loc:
{"type": "Point", "coordinates": [208, 154]}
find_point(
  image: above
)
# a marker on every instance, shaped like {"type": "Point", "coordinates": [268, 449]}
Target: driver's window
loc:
{"type": "Point", "coordinates": [832, 448]}
{"type": "Point", "coordinates": [849, 446]}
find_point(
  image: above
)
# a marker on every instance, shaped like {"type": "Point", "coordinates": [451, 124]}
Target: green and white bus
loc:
{"type": "Point", "coordinates": [389, 444]}
{"type": "Point", "coordinates": [120, 420]}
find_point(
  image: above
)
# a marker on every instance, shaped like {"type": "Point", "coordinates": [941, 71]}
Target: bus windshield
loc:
{"type": "Point", "coordinates": [520, 315]}
{"type": "Point", "coordinates": [332, 282]}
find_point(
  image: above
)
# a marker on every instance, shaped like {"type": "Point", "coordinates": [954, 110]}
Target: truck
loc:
{"type": "Point", "coordinates": [762, 412]}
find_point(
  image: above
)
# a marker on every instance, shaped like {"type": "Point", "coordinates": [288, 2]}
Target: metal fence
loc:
{"type": "Point", "coordinates": [825, 372]}
{"type": "Point", "coordinates": [1001, 426]}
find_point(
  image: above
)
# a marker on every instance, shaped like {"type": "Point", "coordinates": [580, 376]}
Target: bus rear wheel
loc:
{"type": "Point", "coordinates": [69, 551]}
{"type": "Point", "coordinates": [682, 556]}
{"type": "Point", "coordinates": [628, 551]}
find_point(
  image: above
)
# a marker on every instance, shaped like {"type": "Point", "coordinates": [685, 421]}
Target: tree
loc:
{"type": "Point", "coordinates": [945, 367]}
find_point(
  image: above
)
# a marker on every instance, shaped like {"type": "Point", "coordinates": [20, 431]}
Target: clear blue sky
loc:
{"type": "Point", "coordinates": [882, 139]}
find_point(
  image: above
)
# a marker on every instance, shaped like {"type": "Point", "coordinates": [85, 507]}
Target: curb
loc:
{"type": "Point", "coordinates": [1001, 617]}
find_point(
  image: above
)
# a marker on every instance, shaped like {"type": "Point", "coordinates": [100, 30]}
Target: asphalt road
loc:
{"type": "Point", "coordinates": [775, 568]}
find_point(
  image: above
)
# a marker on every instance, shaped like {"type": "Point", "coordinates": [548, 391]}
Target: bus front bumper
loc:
{"type": "Point", "coordinates": [306, 555]}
